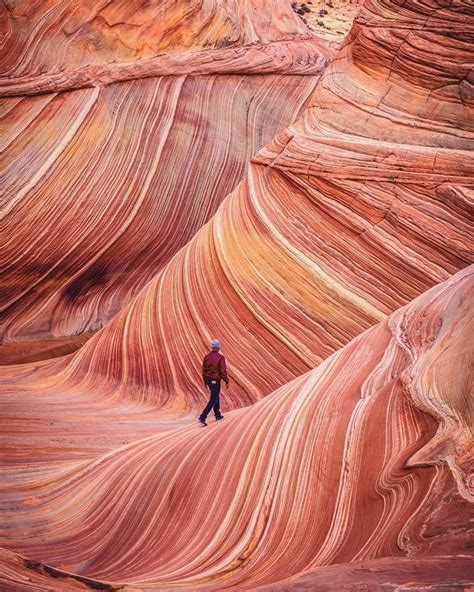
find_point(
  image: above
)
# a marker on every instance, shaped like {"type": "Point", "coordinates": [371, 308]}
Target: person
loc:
{"type": "Point", "coordinates": [213, 371]}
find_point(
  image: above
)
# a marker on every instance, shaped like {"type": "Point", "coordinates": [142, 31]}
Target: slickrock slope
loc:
{"type": "Point", "coordinates": [273, 499]}
{"type": "Point", "coordinates": [101, 186]}
{"type": "Point", "coordinates": [350, 213]}
{"type": "Point", "coordinates": [122, 178]}
{"type": "Point", "coordinates": [19, 574]}
{"type": "Point", "coordinates": [414, 574]}
{"type": "Point", "coordinates": [52, 35]}
{"type": "Point", "coordinates": [450, 574]}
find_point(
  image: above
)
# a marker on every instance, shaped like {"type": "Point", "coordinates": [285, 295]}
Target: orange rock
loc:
{"type": "Point", "coordinates": [347, 439]}
{"type": "Point", "coordinates": [118, 175]}
{"type": "Point", "coordinates": [348, 214]}
{"type": "Point", "coordinates": [328, 469]}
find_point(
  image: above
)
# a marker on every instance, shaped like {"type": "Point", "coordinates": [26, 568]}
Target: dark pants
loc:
{"type": "Point", "coordinates": [215, 388]}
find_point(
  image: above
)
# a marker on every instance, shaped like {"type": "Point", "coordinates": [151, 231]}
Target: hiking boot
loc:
{"type": "Point", "coordinates": [220, 417]}
{"type": "Point", "coordinates": [202, 421]}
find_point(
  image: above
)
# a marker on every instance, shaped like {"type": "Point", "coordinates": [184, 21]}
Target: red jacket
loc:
{"type": "Point", "coordinates": [213, 366]}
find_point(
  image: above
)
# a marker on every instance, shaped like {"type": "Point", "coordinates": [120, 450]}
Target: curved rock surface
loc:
{"type": "Point", "coordinates": [106, 183]}
{"type": "Point", "coordinates": [273, 499]}
{"type": "Point", "coordinates": [348, 434]}
{"type": "Point", "coordinates": [44, 42]}
{"type": "Point", "coordinates": [116, 178]}
{"type": "Point", "coordinates": [350, 213]}
{"type": "Point", "coordinates": [418, 573]}
{"type": "Point", "coordinates": [414, 574]}
{"type": "Point", "coordinates": [19, 574]}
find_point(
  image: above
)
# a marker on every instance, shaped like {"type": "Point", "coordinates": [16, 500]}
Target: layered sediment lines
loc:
{"type": "Point", "coordinates": [274, 499]}
{"type": "Point", "coordinates": [114, 181]}
{"type": "Point", "coordinates": [59, 39]}
{"type": "Point", "coordinates": [19, 574]}
{"type": "Point", "coordinates": [350, 213]}
{"type": "Point", "coordinates": [305, 57]}
{"type": "Point", "coordinates": [449, 574]}
{"type": "Point", "coordinates": [115, 177]}
{"type": "Point", "coordinates": [348, 428]}
{"type": "Point", "coordinates": [419, 573]}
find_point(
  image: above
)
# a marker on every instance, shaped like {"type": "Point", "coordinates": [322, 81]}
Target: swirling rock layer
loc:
{"type": "Point", "coordinates": [116, 178]}
{"type": "Point", "coordinates": [53, 36]}
{"type": "Point", "coordinates": [348, 214]}
{"type": "Point", "coordinates": [106, 183]}
{"type": "Point", "coordinates": [19, 574]}
{"type": "Point", "coordinates": [427, 573]}
{"type": "Point", "coordinates": [348, 428]}
{"type": "Point", "coordinates": [273, 499]}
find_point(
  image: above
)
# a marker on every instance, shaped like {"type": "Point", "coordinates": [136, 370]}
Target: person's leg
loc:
{"type": "Point", "coordinates": [212, 400]}
{"type": "Point", "coordinates": [206, 410]}
{"type": "Point", "coordinates": [216, 407]}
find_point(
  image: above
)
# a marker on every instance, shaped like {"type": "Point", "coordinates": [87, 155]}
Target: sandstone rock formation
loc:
{"type": "Point", "coordinates": [426, 573]}
{"type": "Point", "coordinates": [52, 45]}
{"type": "Point", "coordinates": [101, 186]}
{"type": "Point", "coordinates": [350, 213]}
{"type": "Point", "coordinates": [341, 262]}
{"type": "Point", "coordinates": [19, 574]}
{"type": "Point", "coordinates": [274, 499]}
{"type": "Point", "coordinates": [449, 574]}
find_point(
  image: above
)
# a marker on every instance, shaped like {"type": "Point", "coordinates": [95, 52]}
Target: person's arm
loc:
{"type": "Point", "coordinates": [223, 370]}
{"type": "Point", "coordinates": [204, 369]}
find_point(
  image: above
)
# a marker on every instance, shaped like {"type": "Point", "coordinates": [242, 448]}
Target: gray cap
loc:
{"type": "Point", "coordinates": [215, 343]}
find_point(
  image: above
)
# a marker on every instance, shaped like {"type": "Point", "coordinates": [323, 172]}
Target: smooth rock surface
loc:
{"type": "Point", "coordinates": [274, 498]}
{"type": "Point", "coordinates": [103, 184]}
{"type": "Point", "coordinates": [347, 439]}
{"type": "Point", "coordinates": [353, 211]}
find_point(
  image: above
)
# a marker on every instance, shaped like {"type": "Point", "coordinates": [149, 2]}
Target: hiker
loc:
{"type": "Point", "coordinates": [213, 371]}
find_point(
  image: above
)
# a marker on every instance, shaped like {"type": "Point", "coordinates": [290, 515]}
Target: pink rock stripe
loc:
{"type": "Point", "coordinates": [103, 173]}
{"type": "Point", "coordinates": [103, 202]}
